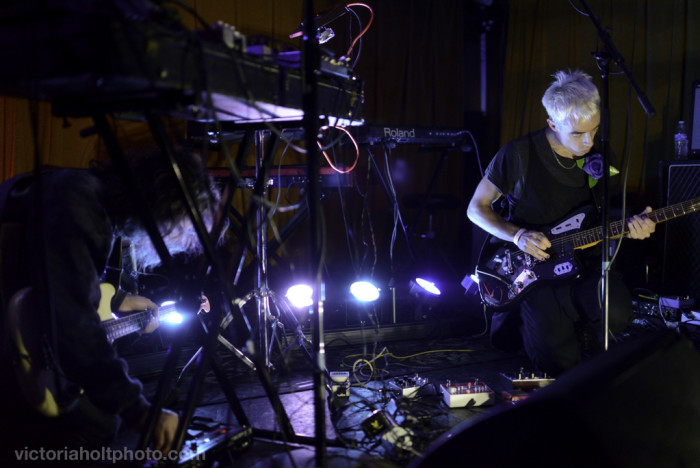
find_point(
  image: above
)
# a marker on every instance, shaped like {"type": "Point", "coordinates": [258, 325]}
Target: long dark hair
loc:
{"type": "Point", "coordinates": [153, 176]}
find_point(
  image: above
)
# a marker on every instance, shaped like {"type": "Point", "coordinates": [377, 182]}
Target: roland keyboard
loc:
{"type": "Point", "coordinates": [392, 134]}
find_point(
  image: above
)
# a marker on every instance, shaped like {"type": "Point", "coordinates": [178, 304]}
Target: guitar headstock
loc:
{"type": "Point", "coordinates": [204, 305]}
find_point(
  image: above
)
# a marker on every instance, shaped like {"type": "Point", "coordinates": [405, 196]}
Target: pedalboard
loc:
{"type": "Point", "coordinates": [467, 395]}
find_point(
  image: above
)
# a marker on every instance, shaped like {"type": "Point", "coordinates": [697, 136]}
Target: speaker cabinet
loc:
{"type": "Point", "coordinates": [680, 272]}
{"type": "Point", "coordinates": [635, 405]}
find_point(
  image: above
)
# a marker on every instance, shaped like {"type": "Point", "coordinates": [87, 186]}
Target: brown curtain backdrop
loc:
{"type": "Point", "coordinates": [660, 43]}
{"type": "Point", "coordinates": [8, 136]}
{"type": "Point", "coordinates": [421, 65]}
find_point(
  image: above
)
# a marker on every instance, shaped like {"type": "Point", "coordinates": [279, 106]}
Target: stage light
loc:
{"type": "Point", "coordinates": [300, 295]}
{"type": "Point", "coordinates": [171, 318]}
{"type": "Point", "coordinates": [169, 315]}
{"type": "Point", "coordinates": [424, 286]}
{"type": "Point", "coordinates": [364, 291]}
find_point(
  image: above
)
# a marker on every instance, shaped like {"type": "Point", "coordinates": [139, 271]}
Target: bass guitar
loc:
{"type": "Point", "coordinates": [506, 274]}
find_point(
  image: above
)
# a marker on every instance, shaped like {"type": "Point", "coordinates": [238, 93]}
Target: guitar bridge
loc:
{"type": "Point", "coordinates": [508, 263]}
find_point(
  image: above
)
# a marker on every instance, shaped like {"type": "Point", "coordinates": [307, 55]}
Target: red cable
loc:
{"type": "Point", "coordinates": [357, 151]}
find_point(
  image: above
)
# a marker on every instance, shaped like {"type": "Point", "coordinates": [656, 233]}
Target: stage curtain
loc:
{"type": "Point", "coordinates": [8, 126]}
{"type": "Point", "coordinates": [660, 43]}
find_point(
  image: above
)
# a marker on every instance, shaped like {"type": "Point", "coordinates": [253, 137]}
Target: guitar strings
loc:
{"type": "Point", "coordinates": [617, 228]}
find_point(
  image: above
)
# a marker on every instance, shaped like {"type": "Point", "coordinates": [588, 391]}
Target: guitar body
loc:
{"type": "Point", "coordinates": [506, 273]}
{"type": "Point", "coordinates": [36, 382]}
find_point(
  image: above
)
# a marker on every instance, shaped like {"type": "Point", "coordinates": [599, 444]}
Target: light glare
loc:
{"type": "Point", "coordinates": [364, 291]}
{"type": "Point", "coordinates": [429, 286]}
{"type": "Point", "coordinates": [171, 318]}
{"type": "Point", "coordinates": [300, 295]}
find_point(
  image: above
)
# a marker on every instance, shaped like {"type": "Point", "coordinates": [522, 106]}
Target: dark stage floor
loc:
{"type": "Point", "coordinates": [395, 412]}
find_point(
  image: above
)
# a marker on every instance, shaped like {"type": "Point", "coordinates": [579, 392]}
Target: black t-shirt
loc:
{"type": "Point", "coordinates": [539, 189]}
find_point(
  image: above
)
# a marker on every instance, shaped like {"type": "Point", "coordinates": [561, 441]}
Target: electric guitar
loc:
{"type": "Point", "coordinates": [38, 383]}
{"type": "Point", "coordinates": [506, 274]}
{"type": "Point", "coordinates": [116, 327]}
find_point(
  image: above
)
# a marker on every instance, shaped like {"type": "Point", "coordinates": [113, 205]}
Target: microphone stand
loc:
{"type": "Point", "coordinates": [311, 63]}
{"type": "Point", "coordinates": [603, 59]}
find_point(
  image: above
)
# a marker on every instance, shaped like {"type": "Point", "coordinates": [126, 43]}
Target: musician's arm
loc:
{"type": "Point", "coordinates": [481, 213]}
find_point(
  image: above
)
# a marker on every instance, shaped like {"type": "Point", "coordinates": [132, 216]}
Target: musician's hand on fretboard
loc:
{"type": "Point", "coordinates": [132, 303]}
{"type": "Point", "coordinates": [640, 226]}
{"type": "Point", "coordinates": [152, 324]}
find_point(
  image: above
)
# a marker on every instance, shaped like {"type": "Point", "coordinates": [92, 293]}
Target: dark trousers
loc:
{"type": "Point", "coordinates": [552, 319]}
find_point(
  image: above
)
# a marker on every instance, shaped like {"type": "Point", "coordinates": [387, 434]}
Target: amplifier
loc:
{"type": "Point", "coordinates": [681, 237]}
{"type": "Point", "coordinates": [694, 149]}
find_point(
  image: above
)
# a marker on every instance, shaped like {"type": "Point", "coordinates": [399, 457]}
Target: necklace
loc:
{"type": "Point", "coordinates": [556, 158]}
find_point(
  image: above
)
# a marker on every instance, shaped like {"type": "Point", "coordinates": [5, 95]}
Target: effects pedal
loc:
{"type": "Point", "coordinates": [470, 394]}
{"type": "Point", "coordinates": [673, 308]}
{"type": "Point", "coordinates": [523, 380]}
{"type": "Point", "coordinates": [408, 386]}
{"type": "Point", "coordinates": [203, 448]}
{"type": "Point", "coordinates": [340, 383]}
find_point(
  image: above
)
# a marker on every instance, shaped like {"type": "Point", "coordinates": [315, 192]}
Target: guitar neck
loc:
{"type": "Point", "coordinates": [117, 328]}
{"type": "Point", "coordinates": [590, 237]}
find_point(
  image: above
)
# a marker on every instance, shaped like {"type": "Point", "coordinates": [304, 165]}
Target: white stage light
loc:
{"type": "Point", "coordinates": [169, 315]}
{"type": "Point", "coordinates": [300, 295]}
{"type": "Point", "coordinates": [421, 285]}
{"type": "Point", "coordinates": [364, 291]}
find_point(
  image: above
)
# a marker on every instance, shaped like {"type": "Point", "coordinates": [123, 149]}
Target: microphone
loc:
{"type": "Point", "coordinates": [323, 18]}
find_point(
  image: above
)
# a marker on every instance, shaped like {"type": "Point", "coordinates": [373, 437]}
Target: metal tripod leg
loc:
{"type": "Point", "coordinates": [225, 323]}
{"type": "Point", "coordinates": [238, 353]}
{"type": "Point", "coordinates": [262, 161]}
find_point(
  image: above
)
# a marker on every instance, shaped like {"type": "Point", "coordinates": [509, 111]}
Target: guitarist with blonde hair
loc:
{"type": "Point", "coordinates": [543, 177]}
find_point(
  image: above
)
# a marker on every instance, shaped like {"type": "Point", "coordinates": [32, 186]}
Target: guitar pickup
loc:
{"type": "Point", "coordinates": [563, 268]}
{"type": "Point", "coordinates": [529, 260]}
